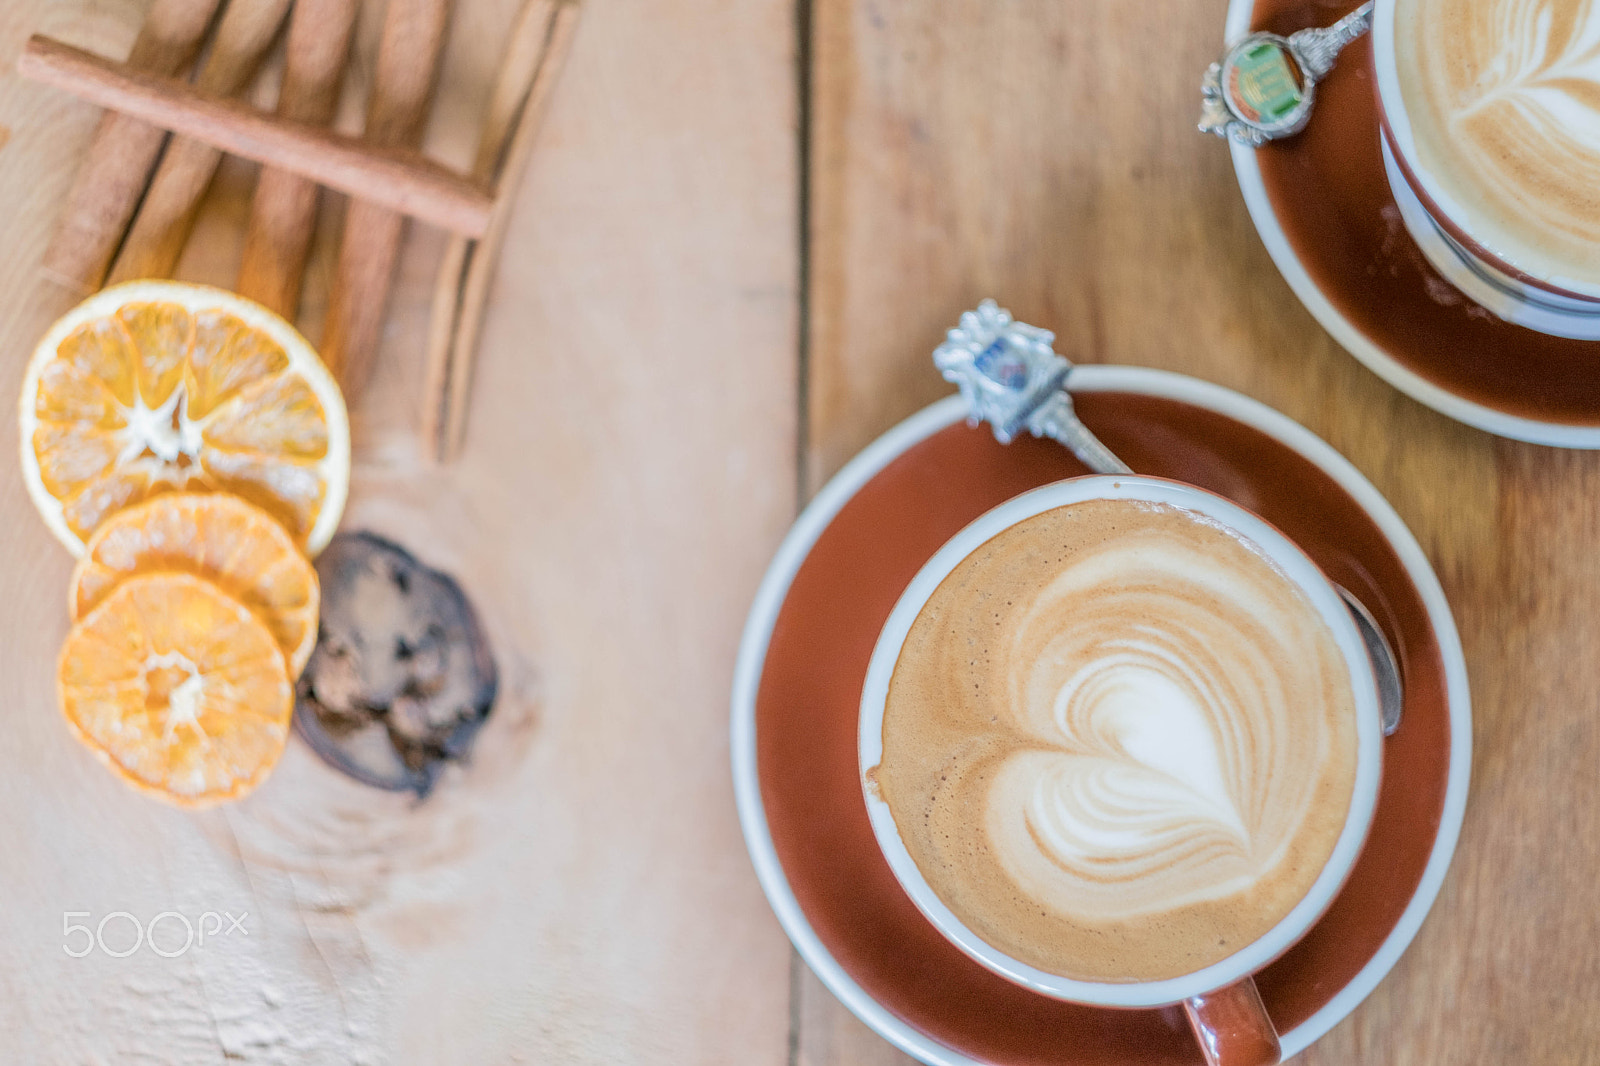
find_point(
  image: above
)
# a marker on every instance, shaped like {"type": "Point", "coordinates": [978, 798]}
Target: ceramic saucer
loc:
{"type": "Point", "coordinates": [810, 633]}
{"type": "Point", "coordinates": [1324, 209]}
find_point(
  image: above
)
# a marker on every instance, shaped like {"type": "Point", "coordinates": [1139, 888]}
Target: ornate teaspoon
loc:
{"type": "Point", "coordinates": [1013, 379]}
{"type": "Point", "coordinates": [1264, 87]}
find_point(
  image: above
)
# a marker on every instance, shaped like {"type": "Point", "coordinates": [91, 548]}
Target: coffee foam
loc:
{"type": "Point", "coordinates": [1119, 742]}
{"type": "Point", "coordinates": [1503, 98]}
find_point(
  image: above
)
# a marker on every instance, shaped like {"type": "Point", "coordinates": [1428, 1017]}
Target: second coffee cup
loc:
{"type": "Point", "coordinates": [1120, 743]}
{"type": "Point", "coordinates": [1491, 143]}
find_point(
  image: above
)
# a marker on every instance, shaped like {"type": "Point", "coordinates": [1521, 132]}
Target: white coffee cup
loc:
{"type": "Point", "coordinates": [1221, 1001]}
{"type": "Point", "coordinates": [1446, 232]}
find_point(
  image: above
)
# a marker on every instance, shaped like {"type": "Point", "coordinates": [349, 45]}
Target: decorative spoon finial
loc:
{"type": "Point", "coordinates": [1013, 379]}
{"type": "Point", "coordinates": [1265, 85]}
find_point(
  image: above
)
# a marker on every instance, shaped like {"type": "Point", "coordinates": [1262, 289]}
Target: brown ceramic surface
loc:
{"type": "Point", "coordinates": [807, 705]}
{"type": "Point", "coordinates": [1330, 194]}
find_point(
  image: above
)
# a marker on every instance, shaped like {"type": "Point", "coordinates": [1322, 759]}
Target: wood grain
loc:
{"type": "Point", "coordinates": [471, 268]}
{"type": "Point", "coordinates": [1045, 154]}
{"type": "Point", "coordinates": [524, 54]}
{"type": "Point", "coordinates": [580, 894]}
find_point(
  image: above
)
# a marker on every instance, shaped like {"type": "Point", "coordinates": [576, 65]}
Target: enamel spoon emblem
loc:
{"type": "Point", "coordinates": [1265, 85]}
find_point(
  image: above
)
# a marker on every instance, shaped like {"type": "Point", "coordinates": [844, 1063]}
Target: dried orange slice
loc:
{"type": "Point", "coordinates": [154, 386]}
{"type": "Point", "coordinates": [215, 535]}
{"type": "Point", "coordinates": [178, 688]}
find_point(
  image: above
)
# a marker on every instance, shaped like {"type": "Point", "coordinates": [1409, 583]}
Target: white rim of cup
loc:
{"type": "Point", "coordinates": [1480, 282]}
{"type": "Point", "coordinates": [1299, 568]}
{"type": "Point", "coordinates": [1247, 170]}
{"type": "Point", "coordinates": [1386, 72]}
{"type": "Point", "coordinates": [815, 519]}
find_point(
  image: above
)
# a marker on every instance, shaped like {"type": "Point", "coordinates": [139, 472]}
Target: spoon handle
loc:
{"type": "Point", "coordinates": [1316, 48]}
{"type": "Point", "coordinates": [1056, 418]}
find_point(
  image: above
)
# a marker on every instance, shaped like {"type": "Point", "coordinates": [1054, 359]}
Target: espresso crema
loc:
{"type": "Point", "coordinates": [1504, 102]}
{"type": "Point", "coordinates": [1119, 742]}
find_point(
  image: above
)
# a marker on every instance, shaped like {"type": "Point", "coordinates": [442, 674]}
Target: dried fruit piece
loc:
{"type": "Point", "coordinates": [178, 688]}
{"type": "Point", "coordinates": [216, 536]}
{"type": "Point", "coordinates": [401, 678]}
{"type": "Point", "coordinates": [157, 386]}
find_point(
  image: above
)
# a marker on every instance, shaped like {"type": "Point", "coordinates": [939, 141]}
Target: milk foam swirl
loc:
{"type": "Point", "coordinates": [1158, 693]}
{"type": "Point", "coordinates": [1504, 102]}
{"type": "Point", "coordinates": [1117, 740]}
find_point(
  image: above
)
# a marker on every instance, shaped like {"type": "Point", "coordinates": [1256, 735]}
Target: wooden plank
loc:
{"type": "Point", "coordinates": [1045, 154]}
{"type": "Point", "coordinates": [580, 893]}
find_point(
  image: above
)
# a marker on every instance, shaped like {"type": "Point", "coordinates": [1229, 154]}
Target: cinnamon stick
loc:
{"type": "Point", "coordinates": [408, 60]}
{"type": "Point", "coordinates": [484, 255]}
{"type": "Point", "coordinates": [519, 64]}
{"type": "Point", "coordinates": [167, 213]}
{"type": "Point", "coordinates": [284, 211]}
{"type": "Point", "coordinates": [397, 178]}
{"type": "Point", "coordinates": [122, 153]}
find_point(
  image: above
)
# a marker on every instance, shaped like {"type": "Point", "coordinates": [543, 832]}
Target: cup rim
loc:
{"type": "Point", "coordinates": [1476, 277]}
{"type": "Point", "coordinates": [1364, 793]}
{"type": "Point", "coordinates": [1394, 122]}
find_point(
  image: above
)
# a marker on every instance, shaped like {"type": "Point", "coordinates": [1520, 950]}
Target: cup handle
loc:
{"type": "Point", "coordinates": [1233, 1028]}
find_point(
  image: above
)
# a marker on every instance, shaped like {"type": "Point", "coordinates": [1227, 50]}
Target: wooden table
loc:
{"type": "Point", "coordinates": [745, 227]}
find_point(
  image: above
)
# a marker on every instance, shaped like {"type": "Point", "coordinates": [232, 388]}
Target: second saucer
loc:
{"type": "Point", "coordinates": [1323, 206]}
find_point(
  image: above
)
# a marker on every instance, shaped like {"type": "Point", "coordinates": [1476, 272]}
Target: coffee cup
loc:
{"type": "Point", "coordinates": [1493, 159]}
{"type": "Point", "coordinates": [1120, 743]}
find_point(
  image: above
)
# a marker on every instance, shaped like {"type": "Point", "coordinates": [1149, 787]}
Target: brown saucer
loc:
{"type": "Point", "coordinates": [1323, 207]}
{"type": "Point", "coordinates": [834, 582]}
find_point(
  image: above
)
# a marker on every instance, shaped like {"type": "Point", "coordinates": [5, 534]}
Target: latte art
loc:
{"type": "Point", "coordinates": [1122, 740]}
{"type": "Point", "coordinates": [1504, 102]}
{"type": "Point", "coordinates": [1158, 797]}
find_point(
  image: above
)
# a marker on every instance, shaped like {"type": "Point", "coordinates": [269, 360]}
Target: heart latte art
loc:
{"type": "Point", "coordinates": [1119, 742]}
{"type": "Point", "coordinates": [1504, 102]}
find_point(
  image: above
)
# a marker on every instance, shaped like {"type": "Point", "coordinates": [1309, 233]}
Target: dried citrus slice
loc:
{"type": "Point", "coordinates": [153, 386]}
{"type": "Point", "coordinates": [217, 536]}
{"type": "Point", "coordinates": [179, 688]}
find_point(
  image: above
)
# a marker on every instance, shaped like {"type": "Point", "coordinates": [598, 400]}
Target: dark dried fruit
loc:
{"type": "Point", "coordinates": [401, 678]}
